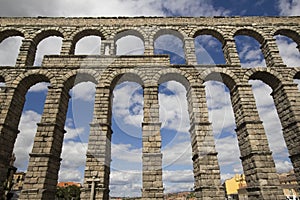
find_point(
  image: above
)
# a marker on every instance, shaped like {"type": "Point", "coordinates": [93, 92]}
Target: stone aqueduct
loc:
{"type": "Point", "coordinates": [106, 70]}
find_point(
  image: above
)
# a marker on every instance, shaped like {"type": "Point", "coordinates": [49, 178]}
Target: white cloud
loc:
{"type": "Point", "coordinates": [130, 45]}
{"type": "Point", "coordinates": [170, 43]}
{"type": "Point", "coordinates": [48, 46]}
{"type": "Point", "coordinates": [288, 51]}
{"type": "Point", "coordinates": [89, 45]}
{"type": "Point", "coordinates": [73, 154]}
{"type": "Point", "coordinates": [127, 183]}
{"type": "Point", "coordinates": [219, 105]}
{"type": "Point", "coordinates": [272, 125]}
{"type": "Point", "coordinates": [39, 87]}
{"type": "Point", "coordinates": [283, 166]}
{"type": "Point", "coordinates": [173, 107]}
{"type": "Point", "coordinates": [289, 7]}
{"type": "Point", "coordinates": [72, 133]}
{"type": "Point", "coordinates": [173, 182]}
{"type": "Point", "coordinates": [25, 139]}
{"type": "Point", "coordinates": [9, 50]}
{"type": "Point", "coordinates": [228, 151]}
{"type": "Point", "coordinates": [71, 174]}
{"type": "Point", "coordinates": [84, 91]}
{"type": "Point", "coordinates": [249, 52]}
{"type": "Point", "coordinates": [110, 8]}
{"type": "Point", "coordinates": [128, 106]}
{"type": "Point", "coordinates": [177, 153]}
{"type": "Point", "coordinates": [127, 153]}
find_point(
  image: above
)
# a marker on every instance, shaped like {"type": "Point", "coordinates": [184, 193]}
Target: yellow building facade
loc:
{"type": "Point", "coordinates": [234, 184]}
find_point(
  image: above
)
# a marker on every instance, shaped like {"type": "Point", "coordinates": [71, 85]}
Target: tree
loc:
{"type": "Point", "coordinates": [71, 192]}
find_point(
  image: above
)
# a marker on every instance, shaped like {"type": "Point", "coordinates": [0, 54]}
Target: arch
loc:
{"type": "Point", "coordinates": [10, 33]}
{"type": "Point", "coordinates": [127, 32]}
{"type": "Point", "coordinates": [44, 34]}
{"type": "Point", "coordinates": [138, 40]}
{"type": "Point", "coordinates": [172, 43]}
{"type": "Point", "coordinates": [173, 32]}
{"type": "Point", "coordinates": [294, 35]}
{"type": "Point", "coordinates": [37, 39]}
{"type": "Point", "coordinates": [180, 76]}
{"type": "Point", "coordinates": [215, 33]}
{"type": "Point", "coordinates": [77, 76]}
{"type": "Point", "coordinates": [83, 33]}
{"type": "Point", "coordinates": [271, 79]}
{"type": "Point", "coordinates": [111, 78]}
{"type": "Point", "coordinates": [26, 80]}
{"type": "Point", "coordinates": [250, 32]}
{"type": "Point", "coordinates": [222, 75]}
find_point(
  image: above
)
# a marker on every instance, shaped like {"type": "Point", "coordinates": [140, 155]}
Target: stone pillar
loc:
{"type": "Point", "coordinates": [67, 47]}
{"type": "Point", "coordinates": [11, 109]}
{"type": "Point", "coordinates": [98, 160]}
{"type": "Point", "coordinates": [271, 53]}
{"type": "Point", "coordinates": [258, 164]}
{"type": "Point", "coordinates": [152, 156]}
{"type": "Point", "coordinates": [149, 45]}
{"type": "Point", "coordinates": [27, 53]}
{"type": "Point", "coordinates": [107, 47]}
{"type": "Point", "coordinates": [42, 173]}
{"type": "Point", "coordinates": [205, 162]}
{"type": "Point", "coordinates": [189, 49]}
{"type": "Point", "coordinates": [287, 101]}
{"type": "Point", "coordinates": [230, 53]}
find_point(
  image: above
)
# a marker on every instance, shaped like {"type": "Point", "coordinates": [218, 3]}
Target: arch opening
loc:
{"type": "Point", "coordinates": [288, 50]}
{"type": "Point", "coordinates": [74, 148]}
{"type": "Point", "coordinates": [171, 45]}
{"type": "Point", "coordinates": [209, 50]}
{"type": "Point", "coordinates": [272, 125]}
{"type": "Point", "coordinates": [176, 140]}
{"type": "Point", "coordinates": [48, 46]}
{"type": "Point", "coordinates": [9, 50]}
{"type": "Point", "coordinates": [27, 108]}
{"type": "Point", "coordinates": [129, 45]}
{"type": "Point", "coordinates": [126, 142]}
{"type": "Point", "coordinates": [221, 116]}
{"type": "Point", "coordinates": [249, 51]}
{"type": "Point", "coordinates": [88, 45]}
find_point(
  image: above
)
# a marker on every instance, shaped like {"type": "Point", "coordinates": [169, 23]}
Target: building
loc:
{"type": "Point", "coordinates": [234, 185]}
{"type": "Point", "coordinates": [289, 185]}
{"type": "Point", "coordinates": [18, 181]}
{"type": "Point", "coordinates": [66, 184]}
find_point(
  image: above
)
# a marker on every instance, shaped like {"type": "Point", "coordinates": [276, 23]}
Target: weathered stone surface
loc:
{"type": "Point", "coordinates": [106, 70]}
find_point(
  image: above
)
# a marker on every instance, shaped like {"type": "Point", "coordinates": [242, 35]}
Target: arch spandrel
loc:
{"type": "Point", "coordinates": [77, 76]}
{"type": "Point", "coordinates": [171, 31]}
{"type": "Point", "coordinates": [128, 32]}
{"type": "Point", "coordinates": [293, 34]}
{"type": "Point", "coordinates": [4, 34]}
{"type": "Point", "coordinates": [110, 78]}
{"type": "Point", "coordinates": [250, 31]}
{"type": "Point", "coordinates": [222, 75]}
{"type": "Point", "coordinates": [272, 79]}
{"type": "Point", "coordinates": [173, 74]}
{"type": "Point", "coordinates": [44, 33]}
{"type": "Point", "coordinates": [218, 34]}
{"type": "Point", "coordinates": [30, 78]}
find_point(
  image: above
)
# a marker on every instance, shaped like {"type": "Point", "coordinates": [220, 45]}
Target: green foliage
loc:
{"type": "Point", "coordinates": [71, 192]}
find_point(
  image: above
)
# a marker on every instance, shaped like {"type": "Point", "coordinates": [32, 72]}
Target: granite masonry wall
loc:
{"type": "Point", "coordinates": [107, 69]}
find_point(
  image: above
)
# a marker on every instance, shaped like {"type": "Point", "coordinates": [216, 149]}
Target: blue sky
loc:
{"type": "Point", "coordinates": [126, 163]}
